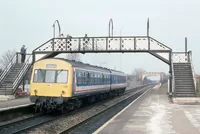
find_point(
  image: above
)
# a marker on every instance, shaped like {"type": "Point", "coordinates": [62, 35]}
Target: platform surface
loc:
{"type": "Point", "coordinates": [154, 113]}
{"type": "Point", "coordinates": [15, 103]}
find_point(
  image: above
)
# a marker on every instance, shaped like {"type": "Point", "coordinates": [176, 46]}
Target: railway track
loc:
{"type": "Point", "coordinates": [33, 122]}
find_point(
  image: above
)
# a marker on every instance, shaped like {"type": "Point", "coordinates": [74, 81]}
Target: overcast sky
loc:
{"type": "Point", "coordinates": [30, 23]}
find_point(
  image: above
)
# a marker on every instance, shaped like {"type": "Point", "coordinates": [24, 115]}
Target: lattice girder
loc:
{"type": "Point", "coordinates": [134, 43]}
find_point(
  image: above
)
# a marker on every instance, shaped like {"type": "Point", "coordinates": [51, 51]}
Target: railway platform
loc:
{"type": "Point", "coordinates": [154, 113]}
{"type": "Point", "coordinates": [16, 103]}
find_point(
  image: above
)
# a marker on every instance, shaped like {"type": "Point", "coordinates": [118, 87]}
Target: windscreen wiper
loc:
{"type": "Point", "coordinates": [59, 72]}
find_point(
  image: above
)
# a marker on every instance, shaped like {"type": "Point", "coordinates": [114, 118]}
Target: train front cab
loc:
{"type": "Point", "coordinates": [51, 78]}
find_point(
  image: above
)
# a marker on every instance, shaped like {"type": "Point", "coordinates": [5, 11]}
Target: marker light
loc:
{"type": "Point", "coordinates": [35, 91]}
{"type": "Point", "coordinates": [63, 92]}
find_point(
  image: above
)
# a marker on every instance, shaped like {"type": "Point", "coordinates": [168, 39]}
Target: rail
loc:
{"type": "Point", "coordinates": [24, 69]}
{"type": "Point", "coordinates": [192, 67]}
{"type": "Point", "coordinates": [7, 68]}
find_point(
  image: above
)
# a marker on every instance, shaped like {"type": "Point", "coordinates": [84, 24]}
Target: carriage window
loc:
{"type": "Point", "coordinates": [39, 75]}
{"type": "Point", "coordinates": [103, 80]}
{"type": "Point", "coordinates": [96, 79]}
{"type": "Point", "coordinates": [81, 78]}
{"type": "Point", "coordinates": [99, 79]}
{"type": "Point", "coordinates": [62, 76]}
{"type": "Point", "coordinates": [50, 76]}
{"type": "Point", "coordinates": [88, 79]}
{"type": "Point", "coordinates": [84, 78]}
{"type": "Point", "coordinates": [78, 78]}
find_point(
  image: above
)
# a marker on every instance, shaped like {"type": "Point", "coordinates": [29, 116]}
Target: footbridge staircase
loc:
{"type": "Point", "coordinates": [183, 75]}
{"type": "Point", "coordinates": [13, 74]}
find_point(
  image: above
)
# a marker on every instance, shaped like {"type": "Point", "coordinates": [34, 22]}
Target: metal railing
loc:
{"type": "Point", "coordinates": [22, 72]}
{"type": "Point", "coordinates": [180, 57]}
{"type": "Point", "coordinates": [7, 68]}
{"type": "Point", "coordinates": [172, 74]}
{"type": "Point", "coordinates": [192, 67]}
{"type": "Point", "coordinates": [198, 85]}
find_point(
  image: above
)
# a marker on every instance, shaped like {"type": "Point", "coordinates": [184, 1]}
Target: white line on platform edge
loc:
{"type": "Point", "coordinates": [105, 124]}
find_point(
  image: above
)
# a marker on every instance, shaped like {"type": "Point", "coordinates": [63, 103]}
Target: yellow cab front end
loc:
{"type": "Point", "coordinates": [51, 78]}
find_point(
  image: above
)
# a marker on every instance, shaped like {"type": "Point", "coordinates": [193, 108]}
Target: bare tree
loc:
{"type": "Point", "coordinates": [138, 70]}
{"type": "Point", "coordinates": [6, 58]}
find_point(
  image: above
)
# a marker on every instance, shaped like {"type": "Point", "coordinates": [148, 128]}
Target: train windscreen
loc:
{"type": "Point", "coordinates": [50, 76]}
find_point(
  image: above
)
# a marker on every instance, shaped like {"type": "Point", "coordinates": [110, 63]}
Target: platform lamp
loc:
{"type": "Point", "coordinates": [59, 30]}
{"type": "Point", "coordinates": [110, 27]}
{"type": "Point", "coordinates": [54, 28]}
{"type": "Point", "coordinates": [185, 46]}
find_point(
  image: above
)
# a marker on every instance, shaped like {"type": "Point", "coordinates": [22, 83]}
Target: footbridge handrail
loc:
{"type": "Point", "coordinates": [172, 75]}
{"type": "Point", "coordinates": [7, 68]}
{"type": "Point", "coordinates": [192, 67]}
{"type": "Point", "coordinates": [163, 45]}
{"type": "Point", "coordinates": [43, 44]}
{"type": "Point", "coordinates": [180, 57]}
{"type": "Point", "coordinates": [24, 69]}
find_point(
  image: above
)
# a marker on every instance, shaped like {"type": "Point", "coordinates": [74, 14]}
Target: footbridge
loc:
{"type": "Point", "coordinates": [143, 75]}
{"type": "Point", "coordinates": [182, 77]}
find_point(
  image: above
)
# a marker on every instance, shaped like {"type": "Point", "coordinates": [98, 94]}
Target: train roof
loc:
{"type": "Point", "coordinates": [88, 66]}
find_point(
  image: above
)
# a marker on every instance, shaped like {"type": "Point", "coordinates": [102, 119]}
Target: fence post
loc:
{"type": "Point", "coordinates": [17, 57]}
{"type": "Point", "coordinates": [198, 85]}
{"type": "Point", "coordinates": [23, 82]}
{"type": "Point", "coordinates": [189, 54]}
{"type": "Point", "coordinates": [185, 45]}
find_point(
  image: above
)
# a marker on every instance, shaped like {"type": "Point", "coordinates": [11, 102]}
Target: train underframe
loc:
{"type": "Point", "coordinates": [64, 104]}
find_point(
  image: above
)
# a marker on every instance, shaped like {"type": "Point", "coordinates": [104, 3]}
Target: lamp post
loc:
{"type": "Point", "coordinates": [54, 28]}
{"type": "Point", "coordinates": [110, 23]}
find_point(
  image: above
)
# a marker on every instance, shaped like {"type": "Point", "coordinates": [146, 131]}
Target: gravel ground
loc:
{"type": "Point", "coordinates": [69, 121]}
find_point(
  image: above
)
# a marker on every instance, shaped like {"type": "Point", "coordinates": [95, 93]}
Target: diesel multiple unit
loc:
{"type": "Point", "coordinates": [60, 83]}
